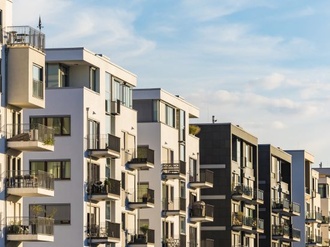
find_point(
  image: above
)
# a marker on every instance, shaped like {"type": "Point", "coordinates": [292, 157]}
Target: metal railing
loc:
{"type": "Point", "coordinates": [144, 154]}
{"type": "Point", "coordinates": [29, 179]}
{"type": "Point", "coordinates": [204, 176]}
{"type": "Point", "coordinates": [280, 230]}
{"type": "Point", "coordinates": [174, 205]}
{"type": "Point", "coordinates": [38, 89]}
{"type": "Point", "coordinates": [108, 186]}
{"type": "Point", "coordinates": [105, 141]}
{"type": "Point", "coordinates": [174, 167]}
{"type": "Point", "coordinates": [241, 189]}
{"type": "Point", "coordinates": [149, 237]}
{"type": "Point", "coordinates": [259, 224]}
{"type": "Point", "coordinates": [295, 233]}
{"type": "Point", "coordinates": [30, 225]}
{"type": "Point", "coordinates": [238, 219]}
{"type": "Point", "coordinates": [314, 215]}
{"type": "Point", "coordinates": [259, 194]}
{"type": "Point", "coordinates": [201, 209]}
{"type": "Point", "coordinates": [25, 35]}
{"type": "Point", "coordinates": [107, 229]}
{"type": "Point", "coordinates": [27, 132]}
{"type": "Point", "coordinates": [281, 204]}
{"type": "Point", "coordinates": [295, 207]}
{"type": "Point", "coordinates": [207, 242]}
{"type": "Point", "coordinates": [325, 220]}
{"type": "Point", "coordinates": [141, 195]}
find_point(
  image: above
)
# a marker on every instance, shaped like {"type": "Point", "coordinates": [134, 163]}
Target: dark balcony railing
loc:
{"type": "Point", "coordinates": [200, 209]}
{"type": "Point", "coordinates": [29, 179]}
{"type": "Point", "coordinates": [30, 225]}
{"type": "Point", "coordinates": [295, 233]}
{"type": "Point", "coordinates": [281, 204]}
{"type": "Point", "coordinates": [182, 203]}
{"type": "Point", "coordinates": [107, 229]}
{"type": "Point", "coordinates": [151, 236]}
{"type": "Point", "coordinates": [204, 176]}
{"type": "Point", "coordinates": [144, 154]}
{"type": "Point", "coordinates": [295, 207]}
{"type": "Point", "coordinates": [280, 230]}
{"type": "Point", "coordinates": [314, 215]}
{"type": "Point", "coordinates": [25, 35]}
{"type": "Point", "coordinates": [106, 141]}
{"type": "Point", "coordinates": [174, 167]}
{"type": "Point", "coordinates": [238, 219]}
{"type": "Point", "coordinates": [240, 189]}
{"type": "Point", "coordinates": [259, 224]}
{"type": "Point", "coordinates": [259, 194]}
{"type": "Point", "coordinates": [207, 243]}
{"type": "Point", "coordinates": [144, 239]}
{"type": "Point", "coordinates": [27, 132]}
{"type": "Point", "coordinates": [145, 195]}
{"type": "Point", "coordinates": [325, 220]}
{"type": "Point", "coordinates": [108, 186]}
{"type": "Point", "coordinates": [176, 241]}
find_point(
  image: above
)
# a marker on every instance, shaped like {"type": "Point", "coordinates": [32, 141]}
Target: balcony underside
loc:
{"type": "Point", "coordinates": [283, 211]}
{"type": "Point", "coordinates": [141, 245]}
{"type": "Point", "coordinates": [259, 230]}
{"type": "Point", "coordinates": [257, 202]}
{"type": "Point", "coordinates": [201, 219]}
{"type": "Point", "coordinates": [140, 165]}
{"type": "Point", "coordinates": [319, 221]}
{"type": "Point", "coordinates": [282, 237]}
{"type": "Point", "coordinates": [30, 146]}
{"type": "Point", "coordinates": [201, 185]}
{"type": "Point", "coordinates": [314, 244]}
{"type": "Point", "coordinates": [140, 205]}
{"type": "Point", "coordinates": [166, 213]}
{"type": "Point", "coordinates": [104, 153]}
{"type": "Point", "coordinates": [103, 240]}
{"type": "Point", "coordinates": [174, 175]}
{"type": "Point", "coordinates": [30, 237]}
{"type": "Point", "coordinates": [243, 228]}
{"type": "Point", "coordinates": [104, 197]}
{"type": "Point", "coordinates": [245, 198]}
{"type": "Point", "coordinates": [30, 192]}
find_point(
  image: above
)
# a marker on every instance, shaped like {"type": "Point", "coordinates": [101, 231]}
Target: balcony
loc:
{"type": "Point", "coordinates": [325, 220]}
{"type": "Point", "coordinates": [258, 225]}
{"type": "Point", "coordinates": [174, 170]}
{"type": "Point", "coordinates": [175, 207]}
{"type": "Point", "coordinates": [313, 217]}
{"type": "Point", "coordinates": [258, 196]}
{"type": "Point", "coordinates": [107, 190]}
{"type": "Point", "coordinates": [241, 222]}
{"type": "Point", "coordinates": [104, 146]}
{"type": "Point", "coordinates": [201, 212]}
{"type": "Point", "coordinates": [294, 235]}
{"type": "Point", "coordinates": [313, 240]}
{"type": "Point", "coordinates": [175, 241]}
{"type": "Point", "coordinates": [241, 192]}
{"type": "Point", "coordinates": [281, 206]}
{"type": "Point", "coordinates": [295, 209]}
{"type": "Point", "coordinates": [143, 240]}
{"type": "Point", "coordinates": [30, 138]}
{"type": "Point", "coordinates": [144, 159]}
{"type": "Point", "coordinates": [29, 183]}
{"type": "Point", "coordinates": [281, 232]}
{"type": "Point", "coordinates": [105, 233]}
{"type": "Point", "coordinates": [145, 199]}
{"type": "Point", "coordinates": [24, 36]}
{"type": "Point", "coordinates": [38, 229]}
{"type": "Point", "coordinates": [204, 181]}
{"type": "Point", "coordinates": [207, 242]}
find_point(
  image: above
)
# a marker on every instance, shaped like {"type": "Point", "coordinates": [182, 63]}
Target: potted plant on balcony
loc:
{"type": "Point", "coordinates": [15, 227]}
{"type": "Point", "coordinates": [144, 229]}
{"type": "Point", "coordinates": [36, 210]}
{"type": "Point", "coordinates": [194, 129]}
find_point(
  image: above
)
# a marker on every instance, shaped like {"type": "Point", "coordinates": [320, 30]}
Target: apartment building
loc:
{"type": "Point", "coordinates": [323, 189]}
{"type": "Point", "coordinates": [279, 209]}
{"type": "Point", "coordinates": [89, 106]}
{"type": "Point", "coordinates": [163, 127]}
{"type": "Point", "coordinates": [231, 154]}
{"type": "Point", "coordinates": [22, 87]}
{"type": "Point", "coordinates": [305, 188]}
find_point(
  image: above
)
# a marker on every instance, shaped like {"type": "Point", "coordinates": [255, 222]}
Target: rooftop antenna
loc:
{"type": "Point", "coordinates": [39, 24]}
{"type": "Point", "coordinates": [320, 164]}
{"type": "Point", "coordinates": [213, 119]}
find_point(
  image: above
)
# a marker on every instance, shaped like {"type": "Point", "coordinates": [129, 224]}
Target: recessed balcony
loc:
{"type": "Point", "coordinates": [143, 240]}
{"type": "Point", "coordinates": [241, 192]}
{"type": "Point", "coordinates": [258, 196]}
{"type": "Point", "coordinates": [103, 146]}
{"type": "Point", "coordinates": [29, 183]}
{"type": "Point", "coordinates": [313, 240]}
{"type": "Point", "coordinates": [240, 222]}
{"type": "Point", "coordinates": [281, 232]}
{"type": "Point", "coordinates": [281, 206]}
{"type": "Point", "coordinates": [27, 137]}
{"type": "Point", "coordinates": [313, 217]}
{"type": "Point", "coordinates": [201, 212]}
{"type": "Point", "coordinates": [107, 190]}
{"type": "Point", "coordinates": [144, 159]}
{"type": "Point", "coordinates": [294, 235]}
{"type": "Point", "coordinates": [258, 225]}
{"type": "Point", "coordinates": [105, 233]}
{"type": "Point", "coordinates": [174, 207]}
{"type": "Point", "coordinates": [325, 220]}
{"type": "Point", "coordinates": [26, 229]}
{"type": "Point", "coordinates": [203, 181]}
{"type": "Point", "coordinates": [144, 198]}
{"type": "Point", "coordinates": [174, 170]}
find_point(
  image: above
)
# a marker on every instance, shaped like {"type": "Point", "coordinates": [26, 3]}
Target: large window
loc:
{"type": "Point", "coordinates": [60, 212]}
{"type": "Point", "coordinates": [38, 88]}
{"type": "Point", "coordinates": [57, 75]}
{"type": "Point", "coordinates": [122, 91]}
{"type": "Point", "coordinates": [61, 124]}
{"type": "Point", "coordinates": [170, 116]}
{"type": "Point", "coordinates": [61, 169]}
{"type": "Point", "coordinates": [93, 80]}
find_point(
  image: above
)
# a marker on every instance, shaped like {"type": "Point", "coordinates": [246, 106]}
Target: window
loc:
{"type": "Point", "coordinates": [182, 225]}
{"type": "Point", "coordinates": [38, 88]}
{"type": "Point", "coordinates": [57, 75]}
{"type": "Point", "coordinates": [61, 125]}
{"type": "Point", "coordinates": [107, 93]}
{"type": "Point", "coordinates": [169, 116]}
{"type": "Point", "coordinates": [93, 172]}
{"type": "Point", "coordinates": [60, 212]}
{"type": "Point", "coordinates": [93, 82]}
{"type": "Point", "coordinates": [94, 134]}
{"type": "Point", "coordinates": [61, 169]}
{"type": "Point", "coordinates": [122, 91]}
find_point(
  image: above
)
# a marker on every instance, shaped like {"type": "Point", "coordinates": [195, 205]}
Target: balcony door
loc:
{"type": "Point", "coordinates": [93, 134]}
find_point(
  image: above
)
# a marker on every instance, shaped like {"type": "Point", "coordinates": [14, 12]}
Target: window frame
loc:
{"type": "Point", "coordinates": [56, 221]}
{"type": "Point", "coordinates": [63, 165]}
{"type": "Point", "coordinates": [45, 121]}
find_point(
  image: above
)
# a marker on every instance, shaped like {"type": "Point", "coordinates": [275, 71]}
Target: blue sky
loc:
{"type": "Point", "coordinates": [261, 64]}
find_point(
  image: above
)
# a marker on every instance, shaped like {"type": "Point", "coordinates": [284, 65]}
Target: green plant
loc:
{"type": "Point", "coordinates": [194, 129]}
{"type": "Point", "coordinates": [49, 141]}
{"type": "Point", "coordinates": [144, 229]}
{"type": "Point", "coordinates": [37, 210]}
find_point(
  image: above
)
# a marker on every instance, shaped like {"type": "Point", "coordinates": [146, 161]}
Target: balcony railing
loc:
{"type": "Point", "coordinates": [259, 194]}
{"type": "Point", "coordinates": [238, 219]}
{"type": "Point", "coordinates": [204, 176]}
{"type": "Point", "coordinates": [29, 179]}
{"type": "Point", "coordinates": [295, 233]}
{"type": "Point", "coordinates": [25, 35]}
{"type": "Point", "coordinates": [314, 215]}
{"type": "Point", "coordinates": [149, 238]}
{"type": "Point", "coordinates": [207, 242]}
{"type": "Point", "coordinates": [313, 239]}
{"type": "Point", "coordinates": [104, 230]}
{"type": "Point", "coordinates": [144, 154]}
{"type": "Point", "coordinates": [173, 168]}
{"type": "Point", "coordinates": [280, 230]}
{"type": "Point", "coordinates": [30, 225]}
{"type": "Point", "coordinates": [105, 141]}
{"type": "Point", "coordinates": [141, 198]}
{"type": "Point", "coordinates": [177, 204]}
{"type": "Point", "coordinates": [27, 132]}
{"type": "Point", "coordinates": [281, 204]}
{"type": "Point", "coordinates": [108, 186]}
{"type": "Point", "coordinates": [241, 189]}
{"type": "Point", "coordinates": [295, 207]}
{"type": "Point", "coordinates": [259, 224]}
{"type": "Point", "coordinates": [200, 209]}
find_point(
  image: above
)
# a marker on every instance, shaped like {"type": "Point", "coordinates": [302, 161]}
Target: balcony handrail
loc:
{"type": "Point", "coordinates": [310, 215]}
{"type": "Point", "coordinates": [105, 229]}
{"type": "Point", "coordinates": [24, 35]}
{"type": "Point", "coordinates": [259, 194]}
{"type": "Point", "coordinates": [172, 167]}
{"type": "Point", "coordinates": [295, 207]}
{"type": "Point", "coordinates": [201, 209]}
{"type": "Point", "coordinates": [104, 186]}
{"type": "Point", "coordinates": [281, 229]}
{"type": "Point", "coordinates": [103, 141]}
{"type": "Point", "coordinates": [281, 203]}
{"type": "Point", "coordinates": [295, 233]}
{"type": "Point", "coordinates": [29, 179]}
{"type": "Point", "coordinates": [239, 219]}
{"type": "Point", "coordinates": [144, 154]}
{"type": "Point", "coordinates": [204, 176]}
{"type": "Point", "coordinates": [141, 195]}
{"type": "Point", "coordinates": [242, 189]}
{"type": "Point", "coordinates": [28, 132]}
{"type": "Point", "coordinates": [30, 225]}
